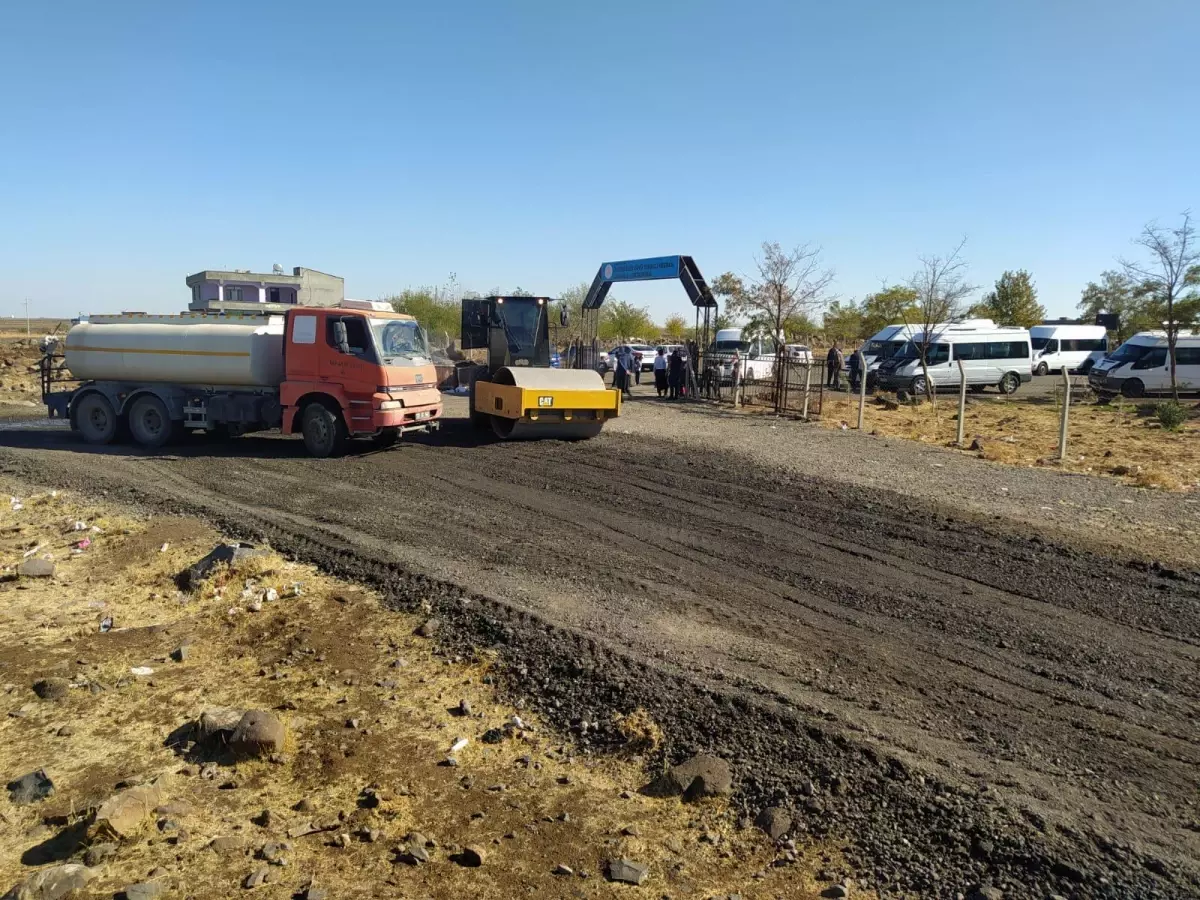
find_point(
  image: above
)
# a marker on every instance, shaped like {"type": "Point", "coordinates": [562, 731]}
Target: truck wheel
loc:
{"type": "Point", "coordinates": [95, 419]}
{"type": "Point", "coordinates": [324, 431]}
{"type": "Point", "coordinates": [149, 421]}
{"type": "Point", "coordinates": [1133, 388]}
{"type": "Point", "coordinates": [1009, 383]}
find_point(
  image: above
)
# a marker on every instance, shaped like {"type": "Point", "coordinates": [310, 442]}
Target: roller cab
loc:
{"type": "Point", "coordinates": [517, 394]}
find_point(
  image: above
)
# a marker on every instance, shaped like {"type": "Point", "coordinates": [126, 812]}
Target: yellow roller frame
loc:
{"type": "Point", "coordinates": [546, 402]}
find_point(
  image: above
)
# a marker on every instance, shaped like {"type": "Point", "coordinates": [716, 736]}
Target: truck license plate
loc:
{"type": "Point", "coordinates": [545, 401]}
{"type": "Point", "coordinates": [423, 415]}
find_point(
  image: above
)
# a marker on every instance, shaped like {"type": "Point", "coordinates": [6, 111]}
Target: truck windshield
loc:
{"type": "Point", "coordinates": [400, 342]}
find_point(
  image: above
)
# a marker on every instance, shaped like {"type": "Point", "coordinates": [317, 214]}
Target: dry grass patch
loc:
{"type": "Point", "coordinates": [1120, 440]}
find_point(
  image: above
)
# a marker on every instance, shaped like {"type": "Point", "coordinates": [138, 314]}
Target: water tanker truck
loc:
{"type": "Point", "coordinates": [355, 371]}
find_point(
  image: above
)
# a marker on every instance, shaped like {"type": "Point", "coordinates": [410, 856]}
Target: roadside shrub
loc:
{"type": "Point", "coordinates": [1171, 414]}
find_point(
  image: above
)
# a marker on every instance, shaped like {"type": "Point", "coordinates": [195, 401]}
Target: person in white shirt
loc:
{"type": "Point", "coordinates": [660, 371]}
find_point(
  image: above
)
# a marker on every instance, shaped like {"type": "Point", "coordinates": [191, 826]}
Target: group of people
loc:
{"type": "Point", "coordinates": [834, 360]}
{"type": "Point", "coordinates": [670, 372]}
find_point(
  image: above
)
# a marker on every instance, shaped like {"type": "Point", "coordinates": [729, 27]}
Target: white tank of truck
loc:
{"type": "Point", "coordinates": [196, 348]}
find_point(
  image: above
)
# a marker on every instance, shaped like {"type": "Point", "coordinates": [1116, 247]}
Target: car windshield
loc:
{"type": "Point", "coordinates": [400, 342]}
{"type": "Point", "coordinates": [1130, 352]}
{"type": "Point", "coordinates": [1039, 343]}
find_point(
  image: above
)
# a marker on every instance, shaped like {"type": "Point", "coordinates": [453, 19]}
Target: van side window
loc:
{"type": "Point", "coordinates": [1187, 356]}
{"type": "Point", "coordinates": [938, 354]}
{"type": "Point", "coordinates": [970, 351]}
{"type": "Point", "coordinates": [1008, 350]}
{"type": "Point", "coordinates": [1085, 345]}
{"type": "Point", "coordinates": [1152, 360]}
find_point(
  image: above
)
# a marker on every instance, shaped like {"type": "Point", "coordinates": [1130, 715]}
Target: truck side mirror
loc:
{"type": "Point", "coordinates": [340, 338]}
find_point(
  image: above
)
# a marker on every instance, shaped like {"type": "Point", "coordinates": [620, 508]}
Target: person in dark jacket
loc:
{"type": "Point", "coordinates": [855, 371]}
{"type": "Point", "coordinates": [674, 374]}
{"type": "Point", "coordinates": [832, 364]}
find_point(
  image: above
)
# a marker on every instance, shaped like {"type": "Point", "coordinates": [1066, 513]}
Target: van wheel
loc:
{"type": "Point", "coordinates": [149, 421]}
{"type": "Point", "coordinates": [918, 385]}
{"type": "Point", "coordinates": [324, 431]}
{"type": "Point", "coordinates": [1042, 369]}
{"type": "Point", "coordinates": [95, 419]}
{"type": "Point", "coordinates": [1133, 388]}
{"type": "Point", "coordinates": [1009, 383]}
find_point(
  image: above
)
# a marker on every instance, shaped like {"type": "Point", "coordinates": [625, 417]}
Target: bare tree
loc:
{"type": "Point", "coordinates": [1174, 265]}
{"type": "Point", "coordinates": [789, 287]}
{"type": "Point", "coordinates": [941, 286]}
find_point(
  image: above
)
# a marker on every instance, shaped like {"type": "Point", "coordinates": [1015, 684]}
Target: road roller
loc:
{"type": "Point", "coordinates": [517, 394]}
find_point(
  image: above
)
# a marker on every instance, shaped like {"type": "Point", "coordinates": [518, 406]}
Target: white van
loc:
{"type": "Point", "coordinates": [1140, 366]}
{"type": "Point", "coordinates": [991, 356]}
{"type": "Point", "coordinates": [757, 354]}
{"type": "Point", "coordinates": [1070, 347]}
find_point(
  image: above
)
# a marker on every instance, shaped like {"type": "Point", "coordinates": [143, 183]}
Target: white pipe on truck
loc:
{"type": "Point", "coordinates": [242, 351]}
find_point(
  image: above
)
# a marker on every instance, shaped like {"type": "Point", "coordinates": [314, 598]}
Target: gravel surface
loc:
{"type": "Point", "coordinates": [1157, 524]}
{"type": "Point", "coordinates": [899, 661]}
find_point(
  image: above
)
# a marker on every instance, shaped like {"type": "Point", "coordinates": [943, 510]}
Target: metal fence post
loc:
{"type": "Point", "coordinates": [1066, 412]}
{"type": "Point", "coordinates": [862, 386]}
{"type": "Point", "coordinates": [962, 401]}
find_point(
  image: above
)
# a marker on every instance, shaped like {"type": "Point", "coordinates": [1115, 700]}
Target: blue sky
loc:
{"type": "Point", "coordinates": [523, 143]}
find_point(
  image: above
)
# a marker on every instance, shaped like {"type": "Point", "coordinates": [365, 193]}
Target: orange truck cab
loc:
{"type": "Point", "coordinates": [356, 373]}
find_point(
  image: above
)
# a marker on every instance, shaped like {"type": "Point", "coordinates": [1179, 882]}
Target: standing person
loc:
{"type": "Point", "coordinates": [675, 373]}
{"type": "Point", "coordinates": [637, 368]}
{"type": "Point", "coordinates": [855, 371]}
{"type": "Point", "coordinates": [660, 371]}
{"type": "Point", "coordinates": [831, 366]}
{"type": "Point", "coordinates": [625, 365]}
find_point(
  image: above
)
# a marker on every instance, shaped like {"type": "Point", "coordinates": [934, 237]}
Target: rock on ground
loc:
{"type": "Point", "coordinates": [36, 568]}
{"type": "Point", "coordinates": [259, 733]}
{"type": "Point", "coordinates": [193, 576]}
{"type": "Point", "coordinates": [700, 776]}
{"type": "Point", "coordinates": [775, 821]}
{"type": "Point", "coordinates": [30, 788]}
{"type": "Point", "coordinates": [122, 815]}
{"type": "Point", "coordinates": [52, 688]}
{"type": "Point", "coordinates": [626, 871]}
{"type": "Point", "coordinates": [217, 720]}
{"type": "Point", "coordinates": [52, 883]}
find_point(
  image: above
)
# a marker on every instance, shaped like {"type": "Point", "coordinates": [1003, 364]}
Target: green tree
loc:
{"type": "Point", "coordinates": [844, 322]}
{"type": "Point", "coordinates": [1116, 293]}
{"type": "Point", "coordinates": [676, 327]}
{"type": "Point", "coordinates": [1013, 302]}
{"type": "Point", "coordinates": [439, 314]}
{"type": "Point", "coordinates": [788, 287]}
{"type": "Point", "coordinates": [625, 321]}
{"type": "Point", "coordinates": [891, 305]}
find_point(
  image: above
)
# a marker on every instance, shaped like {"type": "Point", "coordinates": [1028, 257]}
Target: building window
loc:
{"type": "Point", "coordinates": [274, 295]}
{"type": "Point", "coordinates": [233, 294]}
{"type": "Point", "coordinates": [195, 293]}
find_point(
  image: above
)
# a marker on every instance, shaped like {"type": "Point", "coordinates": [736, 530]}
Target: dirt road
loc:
{"type": "Point", "coordinates": [963, 702]}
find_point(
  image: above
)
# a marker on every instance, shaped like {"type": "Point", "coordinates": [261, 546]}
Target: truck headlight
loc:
{"type": "Point", "coordinates": [389, 404]}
